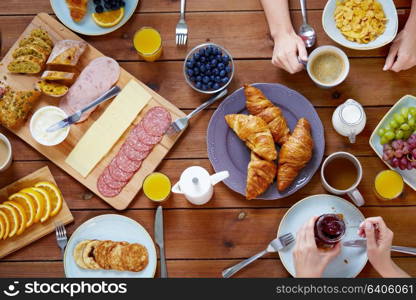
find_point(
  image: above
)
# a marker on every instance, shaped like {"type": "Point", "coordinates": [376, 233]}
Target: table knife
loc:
{"type": "Point", "coordinates": [114, 91]}
{"type": "Point", "coordinates": [160, 241]}
{"type": "Point", "coordinates": [362, 243]}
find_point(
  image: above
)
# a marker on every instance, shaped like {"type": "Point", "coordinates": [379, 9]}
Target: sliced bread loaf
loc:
{"type": "Point", "coordinates": [27, 64]}
{"type": "Point", "coordinates": [31, 49]}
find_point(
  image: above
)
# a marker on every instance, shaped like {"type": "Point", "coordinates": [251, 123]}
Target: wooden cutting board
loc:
{"type": "Point", "coordinates": [59, 153]}
{"type": "Point", "coordinates": [38, 230]}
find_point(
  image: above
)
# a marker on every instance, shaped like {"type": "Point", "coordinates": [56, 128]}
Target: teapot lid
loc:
{"type": "Point", "coordinates": [195, 181]}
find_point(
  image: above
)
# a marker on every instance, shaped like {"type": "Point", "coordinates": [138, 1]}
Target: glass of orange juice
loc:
{"type": "Point", "coordinates": [157, 186]}
{"type": "Point", "coordinates": [388, 185]}
{"type": "Point", "coordinates": [148, 43]}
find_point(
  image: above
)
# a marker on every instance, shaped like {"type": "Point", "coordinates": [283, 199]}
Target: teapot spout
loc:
{"type": "Point", "coordinates": [177, 189]}
{"type": "Point", "coordinates": [220, 176]}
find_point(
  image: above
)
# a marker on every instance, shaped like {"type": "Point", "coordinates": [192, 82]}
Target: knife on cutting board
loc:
{"type": "Point", "coordinates": [160, 241]}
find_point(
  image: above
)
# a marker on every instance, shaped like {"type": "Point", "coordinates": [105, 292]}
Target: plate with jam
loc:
{"type": "Point", "coordinates": [338, 221]}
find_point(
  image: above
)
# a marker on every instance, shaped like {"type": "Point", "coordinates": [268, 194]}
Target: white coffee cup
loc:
{"type": "Point", "coordinates": [352, 191]}
{"type": "Point", "coordinates": [342, 76]}
{"type": "Point", "coordinates": [9, 159]}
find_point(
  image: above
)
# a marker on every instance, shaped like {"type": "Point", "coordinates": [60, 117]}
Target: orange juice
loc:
{"type": "Point", "coordinates": [388, 185]}
{"type": "Point", "coordinates": [148, 43]}
{"type": "Point", "coordinates": [157, 187]}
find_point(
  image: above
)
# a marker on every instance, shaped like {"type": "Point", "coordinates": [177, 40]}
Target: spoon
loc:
{"type": "Point", "coordinates": [306, 32]}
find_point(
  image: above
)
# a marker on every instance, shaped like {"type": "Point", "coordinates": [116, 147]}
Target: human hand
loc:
{"type": "Point", "coordinates": [402, 54]}
{"type": "Point", "coordinates": [310, 261]}
{"type": "Point", "coordinates": [379, 240]}
{"type": "Point", "coordinates": [287, 48]}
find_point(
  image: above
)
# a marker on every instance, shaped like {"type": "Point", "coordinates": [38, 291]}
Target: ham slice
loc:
{"type": "Point", "coordinates": [96, 78]}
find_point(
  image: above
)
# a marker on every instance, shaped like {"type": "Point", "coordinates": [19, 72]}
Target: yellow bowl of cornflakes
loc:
{"type": "Point", "coordinates": [360, 24]}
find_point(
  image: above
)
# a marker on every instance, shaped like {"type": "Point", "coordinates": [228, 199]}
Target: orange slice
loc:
{"type": "Point", "coordinates": [48, 204]}
{"type": "Point", "coordinates": [22, 215]}
{"type": "Point", "coordinates": [39, 201]}
{"type": "Point", "coordinates": [13, 217]}
{"type": "Point", "coordinates": [28, 204]}
{"type": "Point", "coordinates": [4, 225]}
{"type": "Point", "coordinates": [54, 194]}
{"type": "Point", "coordinates": [108, 18]}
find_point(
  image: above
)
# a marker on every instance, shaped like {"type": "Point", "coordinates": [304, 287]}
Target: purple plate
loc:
{"type": "Point", "coordinates": [227, 152]}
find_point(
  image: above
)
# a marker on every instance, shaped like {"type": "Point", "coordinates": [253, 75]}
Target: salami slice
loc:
{"type": "Point", "coordinates": [117, 173]}
{"type": "Point", "coordinates": [133, 141]}
{"type": "Point", "coordinates": [156, 121]}
{"type": "Point", "coordinates": [105, 190]}
{"type": "Point", "coordinates": [127, 165]}
{"type": "Point", "coordinates": [133, 154]}
{"type": "Point", "coordinates": [144, 137]}
{"type": "Point", "coordinates": [111, 182]}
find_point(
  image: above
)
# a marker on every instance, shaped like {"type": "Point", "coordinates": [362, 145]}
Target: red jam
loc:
{"type": "Point", "coordinates": [329, 230]}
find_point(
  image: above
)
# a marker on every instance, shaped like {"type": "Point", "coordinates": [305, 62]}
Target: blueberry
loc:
{"type": "Point", "coordinates": [97, 2]}
{"type": "Point", "coordinates": [115, 6]}
{"type": "Point", "coordinates": [198, 84]}
{"type": "Point", "coordinates": [208, 66]}
{"type": "Point", "coordinates": [205, 79]}
{"type": "Point", "coordinates": [214, 62]}
{"type": "Point", "coordinates": [189, 64]}
{"type": "Point", "coordinates": [122, 3]}
{"type": "Point", "coordinates": [198, 78]}
{"type": "Point", "coordinates": [210, 84]}
{"type": "Point", "coordinates": [224, 80]}
{"type": "Point", "coordinates": [218, 58]}
{"type": "Point", "coordinates": [208, 50]}
{"type": "Point", "coordinates": [107, 5]}
{"type": "Point", "coordinates": [190, 72]}
{"type": "Point", "coordinates": [208, 72]}
{"type": "Point", "coordinates": [216, 86]}
{"type": "Point", "coordinates": [217, 79]}
{"type": "Point", "coordinates": [204, 87]}
{"type": "Point", "coordinates": [226, 63]}
{"type": "Point", "coordinates": [196, 56]}
{"type": "Point", "coordinates": [215, 71]}
{"type": "Point", "coordinates": [212, 77]}
{"type": "Point", "coordinates": [219, 52]}
{"type": "Point", "coordinates": [202, 59]}
{"type": "Point", "coordinates": [223, 73]}
{"type": "Point", "coordinates": [202, 68]}
{"type": "Point", "coordinates": [215, 51]}
{"type": "Point", "coordinates": [225, 58]}
{"type": "Point", "coordinates": [228, 69]}
{"type": "Point", "coordinates": [198, 64]}
{"type": "Point", "coordinates": [211, 57]}
{"type": "Point", "coordinates": [221, 66]}
{"type": "Point", "coordinates": [99, 9]}
{"type": "Point", "coordinates": [193, 79]}
{"type": "Point", "coordinates": [201, 52]}
{"type": "Point", "coordinates": [195, 70]}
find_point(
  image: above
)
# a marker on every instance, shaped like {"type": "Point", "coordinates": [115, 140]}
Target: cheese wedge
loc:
{"type": "Point", "coordinates": [105, 132]}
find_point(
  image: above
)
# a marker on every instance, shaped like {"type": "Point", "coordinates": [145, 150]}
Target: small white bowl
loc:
{"type": "Point", "coordinates": [35, 117]}
{"type": "Point", "coordinates": [328, 23]}
{"type": "Point", "coordinates": [9, 159]}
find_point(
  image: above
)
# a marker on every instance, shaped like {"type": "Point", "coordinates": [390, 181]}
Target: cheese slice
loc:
{"type": "Point", "coordinates": [105, 132]}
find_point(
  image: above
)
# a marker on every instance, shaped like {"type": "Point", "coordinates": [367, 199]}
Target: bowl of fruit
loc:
{"type": "Point", "coordinates": [208, 68]}
{"type": "Point", "coordinates": [394, 139]}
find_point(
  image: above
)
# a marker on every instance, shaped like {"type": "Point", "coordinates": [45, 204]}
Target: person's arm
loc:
{"type": "Point", "coordinates": [402, 54]}
{"type": "Point", "coordinates": [379, 241]}
{"type": "Point", "coordinates": [308, 259]}
{"type": "Point", "coordinates": [287, 44]}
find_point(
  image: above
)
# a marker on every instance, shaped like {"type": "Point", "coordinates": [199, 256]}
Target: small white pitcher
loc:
{"type": "Point", "coordinates": [197, 185]}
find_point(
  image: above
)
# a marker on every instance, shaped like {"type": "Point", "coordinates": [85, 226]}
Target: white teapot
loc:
{"type": "Point", "coordinates": [197, 185]}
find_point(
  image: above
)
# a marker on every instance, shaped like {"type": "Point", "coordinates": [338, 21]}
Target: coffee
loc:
{"type": "Point", "coordinates": [4, 152]}
{"type": "Point", "coordinates": [341, 173]}
{"type": "Point", "coordinates": [327, 67]}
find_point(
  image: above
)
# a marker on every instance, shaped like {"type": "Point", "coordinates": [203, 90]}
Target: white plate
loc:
{"type": "Point", "coordinates": [328, 22]}
{"type": "Point", "coordinates": [87, 25]}
{"type": "Point", "coordinates": [409, 176]}
{"type": "Point", "coordinates": [115, 228]}
{"type": "Point", "coordinates": [351, 260]}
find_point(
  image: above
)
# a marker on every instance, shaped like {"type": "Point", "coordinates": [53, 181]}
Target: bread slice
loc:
{"type": "Point", "coordinates": [66, 53]}
{"type": "Point", "coordinates": [42, 34]}
{"type": "Point", "coordinates": [36, 41]}
{"type": "Point", "coordinates": [27, 64]}
{"type": "Point", "coordinates": [52, 89]}
{"type": "Point", "coordinates": [31, 49]}
{"type": "Point", "coordinates": [66, 78]}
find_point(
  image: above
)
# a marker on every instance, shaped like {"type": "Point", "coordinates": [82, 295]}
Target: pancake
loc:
{"type": "Point", "coordinates": [78, 254]}
{"type": "Point", "coordinates": [88, 255]}
{"type": "Point", "coordinates": [115, 256]}
{"type": "Point", "coordinates": [134, 257]}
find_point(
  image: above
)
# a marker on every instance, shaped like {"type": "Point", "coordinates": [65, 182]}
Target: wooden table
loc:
{"type": "Point", "coordinates": [202, 241]}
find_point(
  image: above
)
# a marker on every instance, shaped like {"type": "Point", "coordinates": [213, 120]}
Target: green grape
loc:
{"type": "Point", "coordinates": [384, 140]}
{"type": "Point", "coordinates": [393, 124]}
{"type": "Point", "coordinates": [405, 112]}
{"type": "Point", "coordinates": [399, 118]}
{"type": "Point", "coordinates": [399, 134]}
{"type": "Point", "coordinates": [389, 135]}
{"type": "Point", "coordinates": [387, 128]}
{"type": "Point", "coordinates": [412, 111]}
{"type": "Point", "coordinates": [381, 132]}
{"type": "Point", "coordinates": [407, 134]}
{"type": "Point", "coordinates": [405, 127]}
{"type": "Point", "coordinates": [411, 122]}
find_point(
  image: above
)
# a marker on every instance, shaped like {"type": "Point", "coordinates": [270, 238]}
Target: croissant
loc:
{"type": "Point", "coordinates": [77, 8]}
{"type": "Point", "coordinates": [260, 175]}
{"type": "Point", "coordinates": [255, 133]}
{"type": "Point", "coordinates": [294, 154]}
{"type": "Point", "coordinates": [258, 105]}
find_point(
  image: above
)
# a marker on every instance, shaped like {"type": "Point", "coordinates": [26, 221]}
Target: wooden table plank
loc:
{"type": "Point", "coordinates": [14, 7]}
{"type": "Point", "coordinates": [78, 197]}
{"type": "Point", "coordinates": [216, 233]}
{"type": "Point", "coordinates": [218, 27]}
{"type": "Point", "coordinates": [263, 268]}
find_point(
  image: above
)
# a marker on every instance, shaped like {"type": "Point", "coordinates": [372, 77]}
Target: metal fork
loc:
{"type": "Point", "coordinates": [181, 27]}
{"type": "Point", "coordinates": [180, 124]}
{"type": "Point", "coordinates": [61, 237]}
{"type": "Point", "coordinates": [275, 245]}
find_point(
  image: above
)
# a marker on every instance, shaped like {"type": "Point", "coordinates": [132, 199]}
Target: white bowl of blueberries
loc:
{"type": "Point", "coordinates": [208, 68]}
